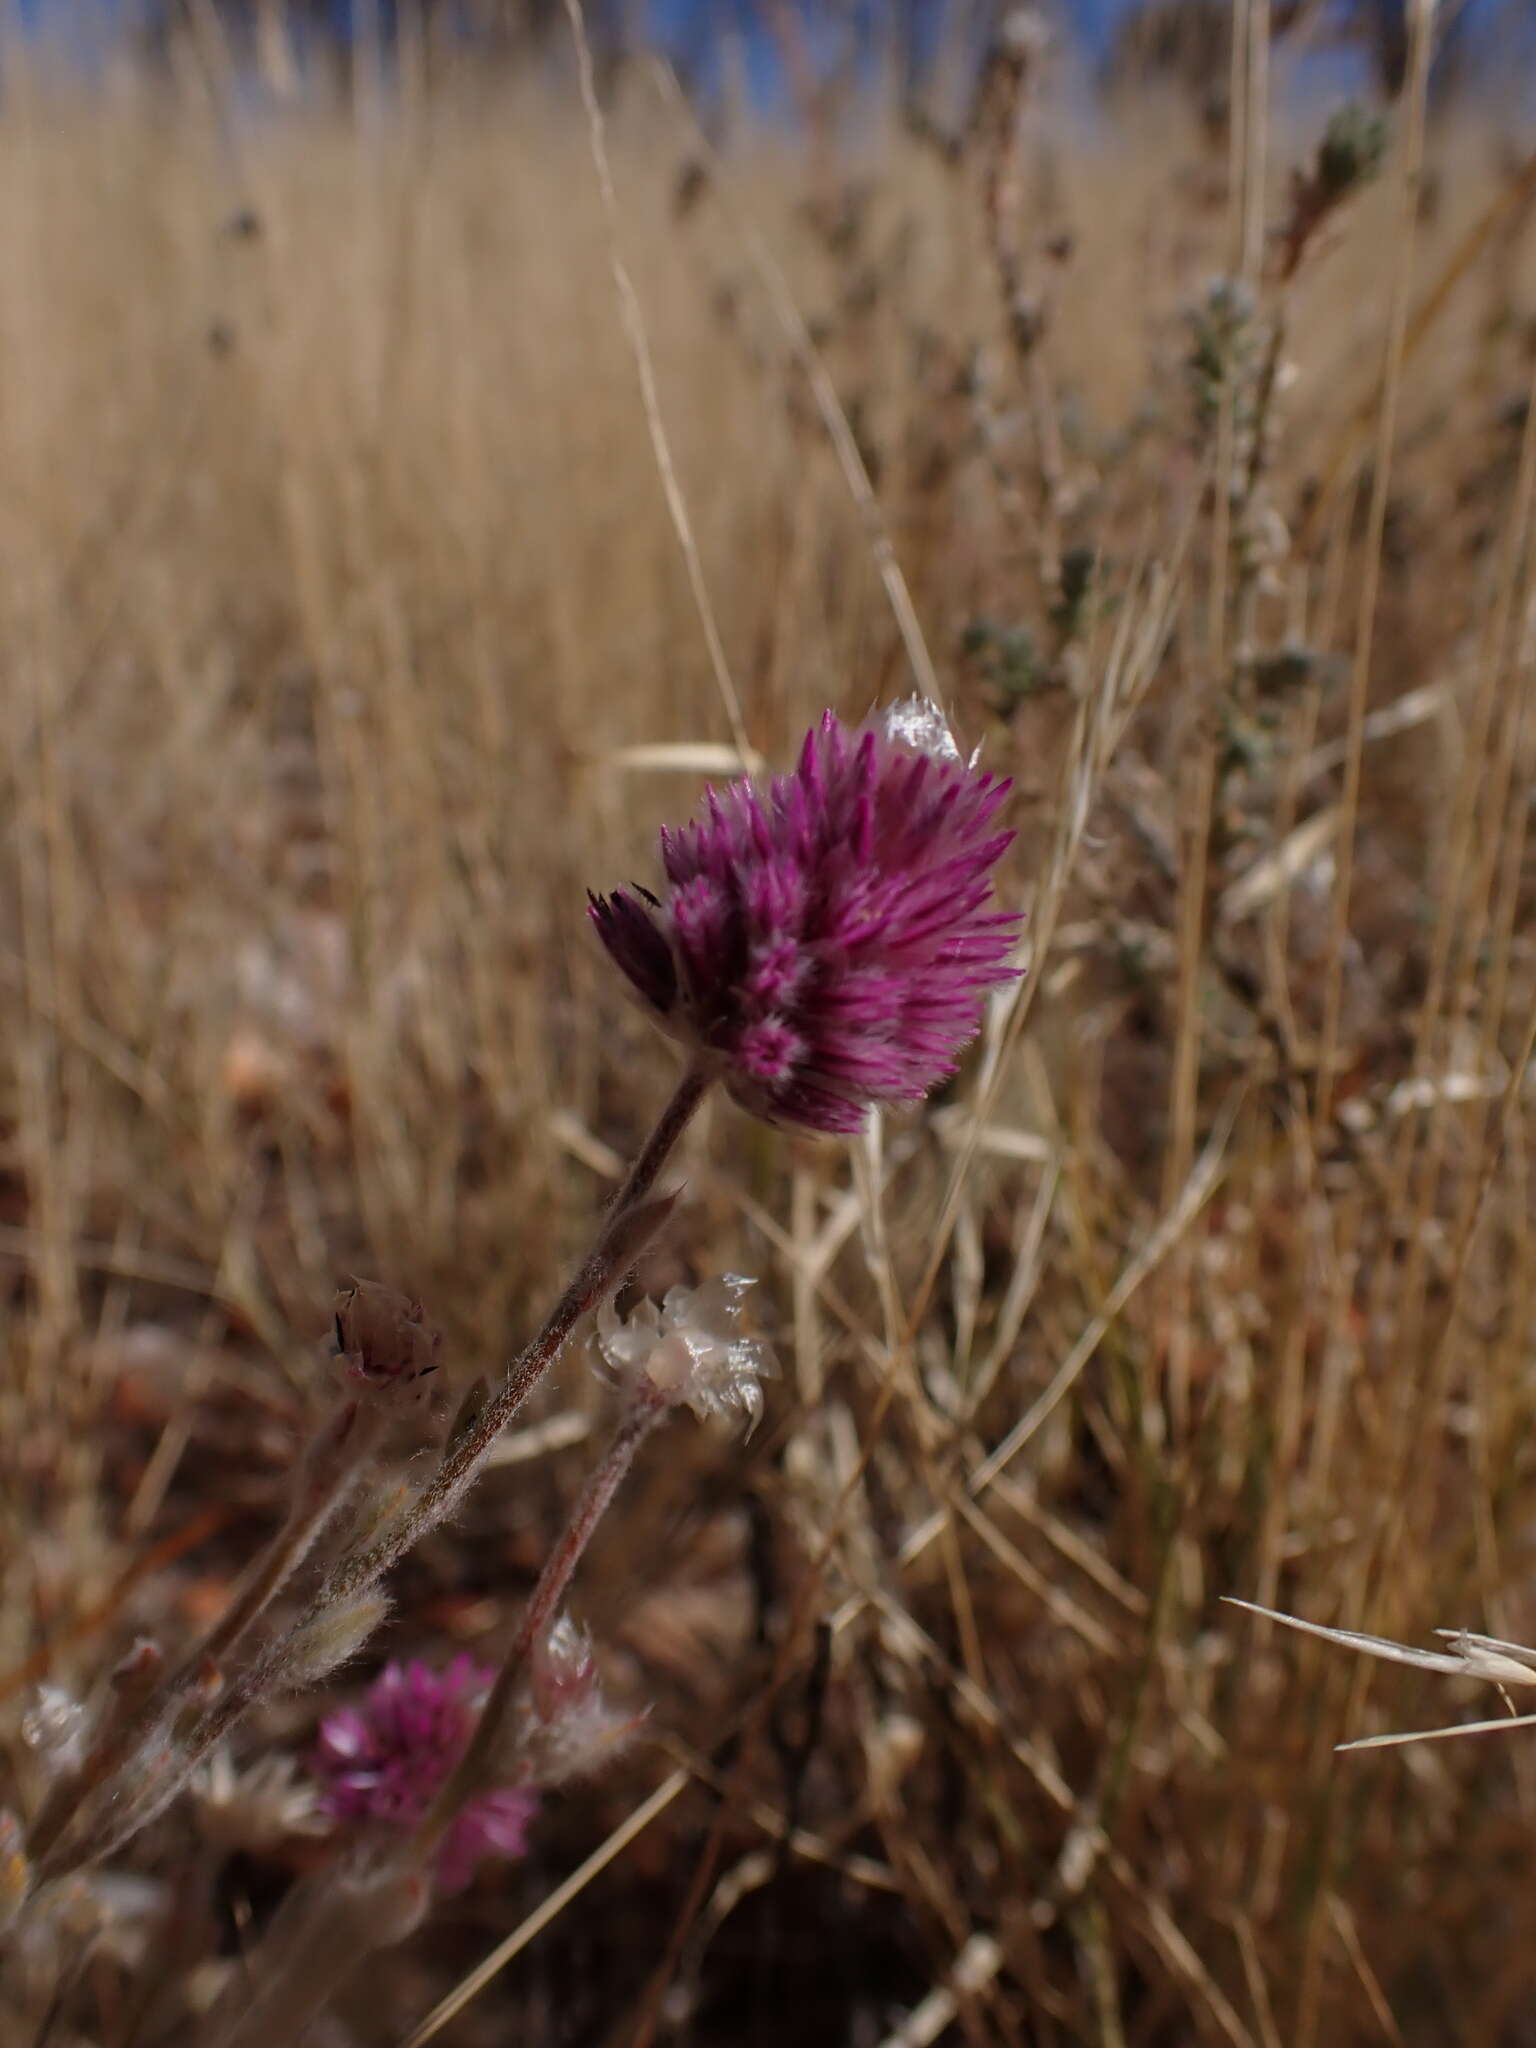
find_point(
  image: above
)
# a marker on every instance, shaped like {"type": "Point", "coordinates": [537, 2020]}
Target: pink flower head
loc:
{"type": "Point", "coordinates": [384, 1761]}
{"type": "Point", "coordinates": [830, 937]}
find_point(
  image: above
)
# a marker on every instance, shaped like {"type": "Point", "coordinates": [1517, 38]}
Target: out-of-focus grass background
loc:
{"type": "Point", "coordinates": [345, 627]}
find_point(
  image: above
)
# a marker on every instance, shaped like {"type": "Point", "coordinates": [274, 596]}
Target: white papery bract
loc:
{"type": "Point", "coordinates": [918, 723]}
{"type": "Point", "coordinates": [691, 1351]}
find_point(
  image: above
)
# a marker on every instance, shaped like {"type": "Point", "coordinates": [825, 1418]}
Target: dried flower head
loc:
{"type": "Point", "coordinates": [690, 1350]}
{"type": "Point", "coordinates": [253, 1806]}
{"type": "Point", "coordinates": [570, 1729]}
{"type": "Point", "coordinates": [384, 1762]}
{"type": "Point", "coordinates": [382, 1337]}
{"type": "Point", "coordinates": [829, 938]}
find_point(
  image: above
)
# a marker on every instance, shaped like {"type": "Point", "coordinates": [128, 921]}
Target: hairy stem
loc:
{"type": "Point", "coordinates": [603, 1482]}
{"type": "Point", "coordinates": [321, 1931]}
{"type": "Point", "coordinates": [332, 1475]}
{"type": "Point", "coordinates": [332, 1469]}
{"type": "Point", "coordinates": [626, 1226]}
{"type": "Point", "coordinates": [302, 1963]}
{"type": "Point", "coordinates": [615, 1248]}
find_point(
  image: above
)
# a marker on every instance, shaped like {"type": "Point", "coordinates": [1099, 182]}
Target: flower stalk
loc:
{"type": "Point", "coordinates": [142, 1697]}
{"type": "Point", "coordinates": [307, 1964]}
{"type": "Point", "coordinates": [323, 1929]}
{"type": "Point", "coordinates": [826, 945]}
{"type": "Point", "coordinates": [131, 1745]}
{"type": "Point", "coordinates": [332, 1474]}
{"type": "Point", "coordinates": [617, 1246]}
{"type": "Point", "coordinates": [647, 1408]}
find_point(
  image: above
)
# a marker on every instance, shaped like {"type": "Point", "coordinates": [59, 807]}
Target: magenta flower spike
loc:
{"type": "Point", "coordinates": [384, 1762]}
{"type": "Point", "coordinates": [830, 937]}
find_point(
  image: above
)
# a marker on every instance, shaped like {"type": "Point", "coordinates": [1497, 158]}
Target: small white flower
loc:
{"type": "Point", "coordinates": [691, 1350]}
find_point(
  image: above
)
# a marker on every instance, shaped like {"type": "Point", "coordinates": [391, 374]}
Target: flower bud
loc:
{"type": "Point", "coordinates": [329, 1639]}
{"type": "Point", "coordinates": [382, 1338]}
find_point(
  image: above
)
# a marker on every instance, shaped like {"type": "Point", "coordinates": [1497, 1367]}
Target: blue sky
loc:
{"type": "Point", "coordinates": [691, 28]}
{"type": "Point", "coordinates": [686, 25]}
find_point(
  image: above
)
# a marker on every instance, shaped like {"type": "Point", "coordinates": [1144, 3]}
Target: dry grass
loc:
{"type": "Point", "coordinates": [338, 581]}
